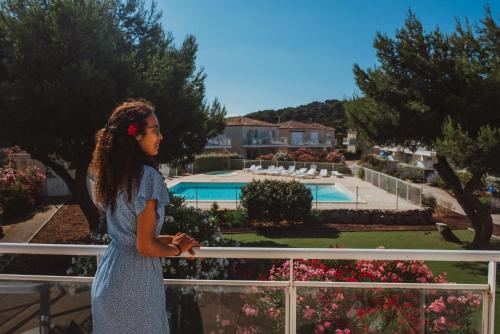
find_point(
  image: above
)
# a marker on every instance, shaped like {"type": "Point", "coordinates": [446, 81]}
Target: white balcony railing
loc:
{"type": "Point", "coordinates": [290, 287]}
{"type": "Point", "coordinates": [263, 141]}
{"type": "Point", "coordinates": [219, 142]}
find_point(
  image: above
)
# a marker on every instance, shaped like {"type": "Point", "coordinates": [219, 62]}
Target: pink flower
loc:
{"type": "Point", "coordinates": [308, 313]}
{"type": "Point", "coordinates": [437, 306]}
{"type": "Point", "coordinates": [250, 311]}
{"type": "Point", "coordinates": [319, 329]}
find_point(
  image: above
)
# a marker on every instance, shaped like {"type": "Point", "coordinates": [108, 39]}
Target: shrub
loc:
{"type": "Point", "coordinates": [307, 158]}
{"type": "Point", "coordinates": [235, 218]}
{"type": "Point", "coordinates": [487, 202]}
{"type": "Point", "coordinates": [344, 170]}
{"type": "Point", "coordinates": [280, 156]}
{"type": "Point", "coordinates": [340, 310]}
{"type": "Point", "coordinates": [438, 181]}
{"type": "Point", "coordinates": [443, 208]}
{"type": "Point", "coordinates": [361, 173]}
{"type": "Point", "coordinates": [334, 157]}
{"type": "Point", "coordinates": [408, 172]}
{"type": "Point", "coordinates": [211, 162]}
{"type": "Point", "coordinates": [464, 176]}
{"type": "Point", "coordinates": [204, 227]}
{"type": "Point", "coordinates": [429, 201]}
{"type": "Point", "coordinates": [20, 191]}
{"type": "Point", "coordinates": [229, 218]}
{"type": "Point", "coordinates": [265, 157]}
{"type": "Point", "coordinates": [352, 156]}
{"type": "Point", "coordinates": [273, 200]}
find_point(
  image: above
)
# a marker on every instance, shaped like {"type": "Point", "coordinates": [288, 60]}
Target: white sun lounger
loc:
{"type": "Point", "coordinates": [289, 171]}
{"type": "Point", "coordinates": [264, 171]}
{"type": "Point", "coordinates": [299, 172]}
{"type": "Point", "coordinates": [323, 173]}
{"type": "Point", "coordinates": [309, 174]}
{"type": "Point", "coordinates": [276, 171]}
{"type": "Point", "coordinates": [251, 167]}
{"type": "Point", "coordinates": [255, 169]}
{"type": "Point", "coordinates": [337, 174]}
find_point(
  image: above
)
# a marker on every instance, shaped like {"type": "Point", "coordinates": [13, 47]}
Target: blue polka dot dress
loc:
{"type": "Point", "coordinates": [128, 295]}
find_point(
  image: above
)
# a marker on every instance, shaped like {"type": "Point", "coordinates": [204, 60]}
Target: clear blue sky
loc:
{"type": "Point", "coordinates": [270, 54]}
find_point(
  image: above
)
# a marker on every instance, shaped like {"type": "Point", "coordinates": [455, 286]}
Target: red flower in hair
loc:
{"type": "Point", "coordinates": [132, 129]}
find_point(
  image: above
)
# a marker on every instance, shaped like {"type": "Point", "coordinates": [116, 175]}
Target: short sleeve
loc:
{"type": "Point", "coordinates": [151, 186]}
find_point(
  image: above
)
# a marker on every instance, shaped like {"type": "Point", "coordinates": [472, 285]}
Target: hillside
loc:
{"type": "Point", "coordinates": [330, 112]}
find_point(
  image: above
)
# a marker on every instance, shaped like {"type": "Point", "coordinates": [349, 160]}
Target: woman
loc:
{"type": "Point", "coordinates": [128, 295]}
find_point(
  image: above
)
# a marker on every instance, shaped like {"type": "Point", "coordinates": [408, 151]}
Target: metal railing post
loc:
{"type": "Point", "coordinates": [357, 190]}
{"type": "Point", "coordinates": [397, 195]}
{"type": "Point", "coordinates": [316, 197]}
{"type": "Point", "coordinates": [492, 282]}
{"type": "Point", "coordinates": [293, 301]}
{"type": "Point", "coordinates": [98, 260]}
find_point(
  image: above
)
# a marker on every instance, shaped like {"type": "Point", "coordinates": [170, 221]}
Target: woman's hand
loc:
{"type": "Point", "coordinates": [185, 242]}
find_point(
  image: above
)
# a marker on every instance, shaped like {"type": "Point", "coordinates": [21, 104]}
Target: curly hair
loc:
{"type": "Point", "coordinates": [118, 160]}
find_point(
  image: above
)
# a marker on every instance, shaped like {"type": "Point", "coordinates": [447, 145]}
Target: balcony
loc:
{"type": "Point", "coordinates": [31, 302]}
{"type": "Point", "coordinates": [264, 142]}
{"type": "Point", "coordinates": [218, 142]}
{"type": "Point", "coordinates": [311, 143]}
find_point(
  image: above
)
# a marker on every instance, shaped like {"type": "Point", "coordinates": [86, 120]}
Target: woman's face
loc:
{"type": "Point", "coordinates": [150, 141]}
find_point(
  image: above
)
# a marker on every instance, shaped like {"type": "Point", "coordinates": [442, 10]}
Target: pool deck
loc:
{"type": "Point", "coordinates": [369, 196]}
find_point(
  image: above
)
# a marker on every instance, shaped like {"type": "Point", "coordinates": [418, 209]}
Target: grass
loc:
{"type": "Point", "coordinates": [458, 272]}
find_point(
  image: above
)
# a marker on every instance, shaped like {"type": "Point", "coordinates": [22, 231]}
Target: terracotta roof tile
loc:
{"type": "Point", "coordinates": [242, 120]}
{"type": "Point", "coordinates": [301, 125]}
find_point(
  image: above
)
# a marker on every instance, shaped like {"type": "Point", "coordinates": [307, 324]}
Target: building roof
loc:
{"type": "Point", "coordinates": [242, 120]}
{"type": "Point", "coordinates": [300, 125]}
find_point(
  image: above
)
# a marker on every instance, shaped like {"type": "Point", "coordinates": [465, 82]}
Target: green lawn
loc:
{"type": "Point", "coordinates": [472, 272]}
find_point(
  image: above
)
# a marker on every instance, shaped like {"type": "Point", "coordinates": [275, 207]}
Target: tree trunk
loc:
{"type": "Point", "coordinates": [85, 201]}
{"type": "Point", "coordinates": [478, 214]}
{"type": "Point", "coordinates": [77, 186]}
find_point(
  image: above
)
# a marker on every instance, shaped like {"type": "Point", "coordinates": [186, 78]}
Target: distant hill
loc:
{"type": "Point", "coordinates": [330, 112]}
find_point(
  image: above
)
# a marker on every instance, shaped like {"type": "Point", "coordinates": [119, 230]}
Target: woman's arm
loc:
{"type": "Point", "coordinates": [165, 238]}
{"type": "Point", "coordinates": [147, 243]}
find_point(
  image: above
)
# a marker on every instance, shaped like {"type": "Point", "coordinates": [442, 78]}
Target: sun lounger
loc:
{"type": "Point", "coordinates": [337, 174]}
{"type": "Point", "coordinates": [265, 171]}
{"type": "Point", "coordinates": [307, 175]}
{"type": "Point", "coordinates": [323, 173]}
{"type": "Point", "coordinates": [311, 173]}
{"type": "Point", "coordinates": [251, 168]}
{"type": "Point", "coordinates": [276, 171]}
{"type": "Point", "coordinates": [289, 171]}
{"type": "Point", "coordinates": [299, 172]}
{"type": "Point", "coordinates": [255, 169]}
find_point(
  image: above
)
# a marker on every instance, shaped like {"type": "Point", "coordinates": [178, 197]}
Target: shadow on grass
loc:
{"type": "Point", "coordinates": [328, 234]}
{"type": "Point", "coordinates": [476, 268]}
{"type": "Point", "coordinates": [263, 243]}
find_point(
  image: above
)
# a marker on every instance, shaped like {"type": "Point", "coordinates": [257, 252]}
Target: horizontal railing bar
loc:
{"type": "Point", "coordinates": [86, 279]}
{"type": "Point", "coordinates": [311, 284]}
{"type": "Point", "coordinates": [386, 285]}
{"type": "Point", "coordinates": [273, 253]}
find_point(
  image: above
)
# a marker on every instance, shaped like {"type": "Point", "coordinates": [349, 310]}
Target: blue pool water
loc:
{"type": "Point", "coordinates": [229, 191]}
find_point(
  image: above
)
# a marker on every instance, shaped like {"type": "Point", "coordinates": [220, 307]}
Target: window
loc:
{"type": "Point", "coordinates": [297, 138]}
{"type": "Point", "coordinates": [314, 138]}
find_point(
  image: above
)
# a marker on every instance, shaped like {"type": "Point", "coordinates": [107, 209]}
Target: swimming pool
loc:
{"type": "Point", "coordinates": [230, 191]}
